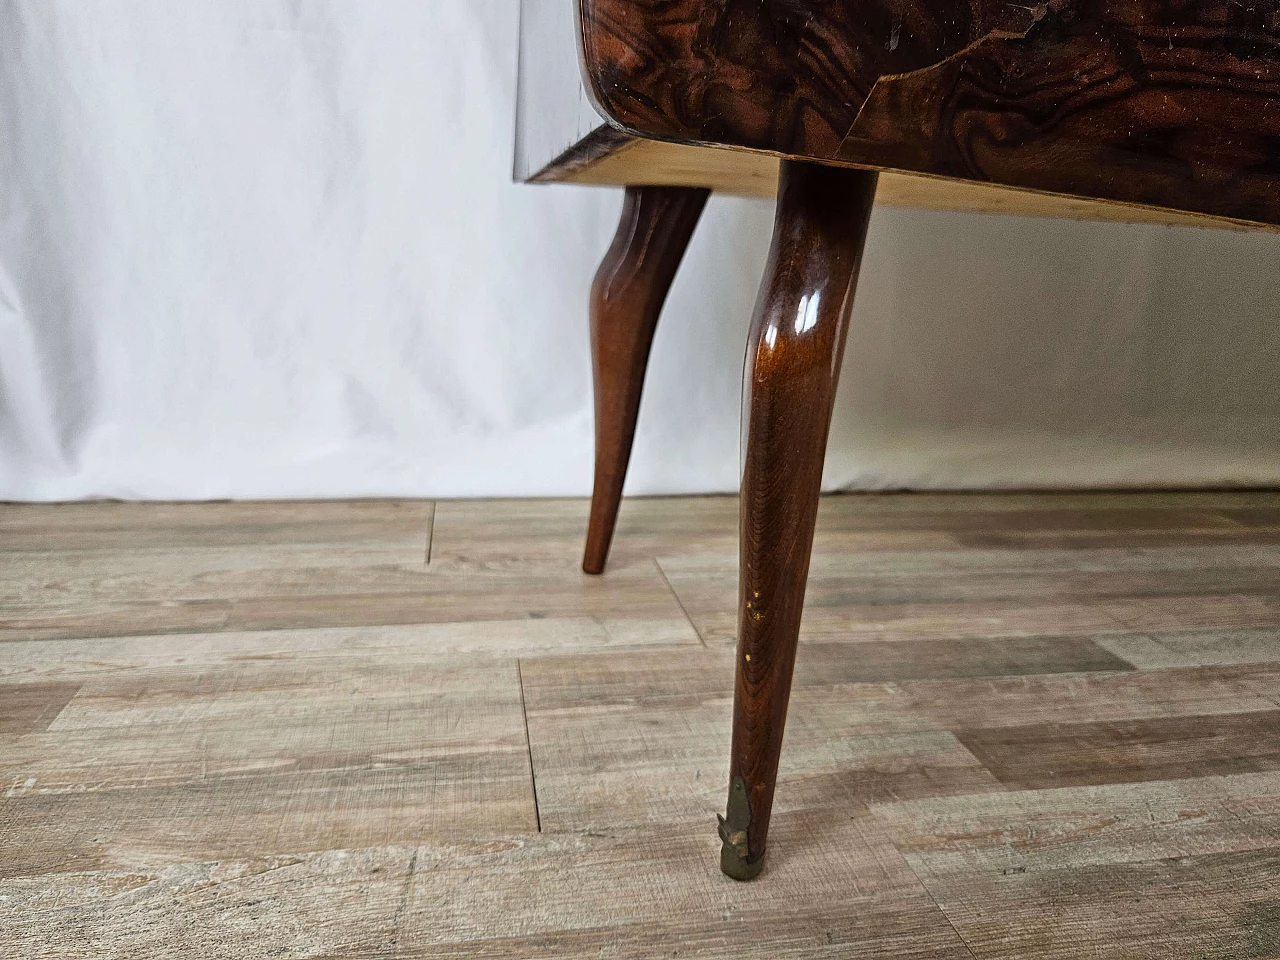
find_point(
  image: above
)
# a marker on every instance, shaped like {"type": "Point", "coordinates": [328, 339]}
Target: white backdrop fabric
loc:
{"type": "Point", "coordinates": [270, 248]}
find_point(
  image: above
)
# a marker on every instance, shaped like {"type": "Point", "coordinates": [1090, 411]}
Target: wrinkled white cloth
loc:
{"type": "Point", "coordinates": [270, 248]}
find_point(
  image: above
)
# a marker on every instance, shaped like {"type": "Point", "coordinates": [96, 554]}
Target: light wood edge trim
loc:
{"type": "Point", "coordinates": [751, 173]}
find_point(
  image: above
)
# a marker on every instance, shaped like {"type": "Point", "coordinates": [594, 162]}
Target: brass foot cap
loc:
{"type": "Point", "coordinates": [733, 865]}
{"type": "Point", "coordinates": [735, 834]}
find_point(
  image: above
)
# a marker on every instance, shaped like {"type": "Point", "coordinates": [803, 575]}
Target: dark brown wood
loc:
{"type": "Point", "coordinates": [1153, 102]}
{"type": "Point", "coordinates": [626, 300]}
{"type": "Point", "coordinates": [789, 385]}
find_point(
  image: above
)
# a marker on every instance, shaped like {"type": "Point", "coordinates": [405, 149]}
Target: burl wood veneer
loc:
{"type": "Point", "coordinates": [1147, 111]}
{"type": "Point", "coordinates": [1170, 104]}
{"type": "Point", "coordinates": [1164, 111]}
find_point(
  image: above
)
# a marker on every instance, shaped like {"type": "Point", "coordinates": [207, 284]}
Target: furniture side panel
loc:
{"type": "Point", "coordinates": [1154, 102]}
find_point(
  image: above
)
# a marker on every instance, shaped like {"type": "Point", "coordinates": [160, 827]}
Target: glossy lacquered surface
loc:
{"type": "Point", "coordinates": [626, 299]}
{"type": "Point", "coordinates": [1170, 104]}
{"type": "Point", "coordinates": [789, 384]}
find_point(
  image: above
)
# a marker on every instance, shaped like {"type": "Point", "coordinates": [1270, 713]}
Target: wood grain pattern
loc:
{"type": "Point", "coordinates": [1205, 648]}
{"type": "Point", "coordinates": [1154, 103]}
{"type": "Point", "coordinates": [399, 527]}
{"type": "Point", "coordinates": [1033, 757]}
{"type": "Point", "coordinates": [314, 568]}
{"type": "Point", "coordinates": [335, 903]}
{"type": "Point", "coordinates": [606, 754]}
{"type": "Point", "coordinates": [97, 569]}
{"type": "Point", "coordinates": [1090, 566]}
{"type": "Point", "coordinates": [1060, 829]}
{"type": "Point", "coordinates": [31, 707]}
{"type": "Point", "coordinates": [532, 769]}
{"type": "Point", "coordinates": [627, 295]}
{"type": "Point", "coordinates": [640, 893]}
{"type": "Point", "coordinates": [267, 756]}
{"type": "Point", "coordinates": [1182, 868]}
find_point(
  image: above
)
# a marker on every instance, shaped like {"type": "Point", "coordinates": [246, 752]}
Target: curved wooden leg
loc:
{"type": "Point", "coordinates": [793, 364]}
{"type": "Point", "coordinates": [626, 298]}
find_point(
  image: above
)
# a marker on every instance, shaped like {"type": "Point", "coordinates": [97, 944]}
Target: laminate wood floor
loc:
{"type": "Point", "coordinates": [1023, 726]}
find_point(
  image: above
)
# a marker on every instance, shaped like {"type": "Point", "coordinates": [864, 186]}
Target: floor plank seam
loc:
{"type": "Point", "coordinates": [1131, 629]}
{"type": "Point", "coordinates": [680, 603]}
{"type": "Point", "coordinates": [528, 742]}
{"type": "Point", "coordinates": [1235, 525]}
{"type": "Point", "coordinates": [941, 912]}
{"type": "Point", "coordinates": [431, 532]}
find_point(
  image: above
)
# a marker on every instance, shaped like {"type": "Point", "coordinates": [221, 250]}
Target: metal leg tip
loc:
{"type": "Point", "coordinates": [734, 854]}
{"type": "Point", "coordinates": [732, 864]}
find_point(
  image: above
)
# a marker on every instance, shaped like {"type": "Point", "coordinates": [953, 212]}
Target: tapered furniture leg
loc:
{"type": "Point", "coordinates": [793, 363]}
{"type": "Point", "coordinates": [626, 298]}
